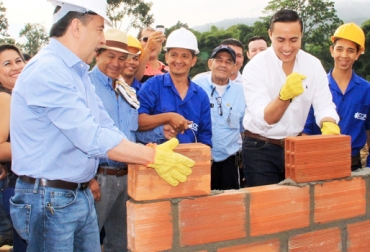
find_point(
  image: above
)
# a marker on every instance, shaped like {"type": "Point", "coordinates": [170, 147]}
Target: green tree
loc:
{"type": "Point", "coordinates": [136, 12]}
{"type": "Point", "coordinates": [4, 36]}
{"type": "Point", "coordinates": [319, 23]}
{"type": "Point", "coordinates": [36, 37]}
{"type": "Point", "coordinates": [362, 66]}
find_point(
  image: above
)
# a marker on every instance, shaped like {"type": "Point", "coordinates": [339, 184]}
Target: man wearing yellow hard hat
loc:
{"type": "Point", "coordinates": [351, 93]}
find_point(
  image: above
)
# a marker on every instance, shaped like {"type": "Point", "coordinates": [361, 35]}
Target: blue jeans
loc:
{"type": "Point", "coordinates": [6, 230]}
{"type": "Point", "coordinates": [111, 211]}
{"type": "Point", "coordinates": [263, 162]}
{"type": "Point", "coordinates": [52, 219]}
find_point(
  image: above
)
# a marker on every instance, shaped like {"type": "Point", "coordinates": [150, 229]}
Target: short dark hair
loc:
{"type": "Point", "coordinates": [5, 47]}
{"type": "Point", "coordinates": [358, 47]}
{"type": "Point", "coordinates": [144, 29]}
{"type": "Point", "coordinates": [26, 56]}
{"type": "Point", "coordinates": [254, 38]}
{"type": "Point", "coordinates": [59, 28]}
{"type": "Point", "coordinates": [285, 16]}
{"type": "Point", "coordinates": [233, 42]}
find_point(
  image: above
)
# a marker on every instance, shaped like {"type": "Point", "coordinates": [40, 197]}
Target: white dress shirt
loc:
{"type": "Point", "coordinates": [263, 78]}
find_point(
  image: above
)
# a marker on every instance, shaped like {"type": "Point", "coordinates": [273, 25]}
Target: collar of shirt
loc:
{"type": "Point", "coordinates": [355, 80]}
{"type": "Point", "coordinates": [107, 81]}
{"type": "Point", "coordinates": [193, 88]}
{"type": "Point", "coordinates": [210, 82]}
{"type": "Point", "coordinates": [68, 57]}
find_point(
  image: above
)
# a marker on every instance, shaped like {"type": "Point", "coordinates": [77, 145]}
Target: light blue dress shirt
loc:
{"type": "Point", "coordinates": [59, 128]}
{"type": "Point", "coordinates": [124, 116]}
{"type": "Point", "coordinates": [226, 128]}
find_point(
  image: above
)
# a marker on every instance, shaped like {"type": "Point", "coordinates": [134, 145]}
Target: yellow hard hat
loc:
{"type": "Point", "coordinates": [135, 43]}
{"type": "Point", "coordinates": [352, 32]}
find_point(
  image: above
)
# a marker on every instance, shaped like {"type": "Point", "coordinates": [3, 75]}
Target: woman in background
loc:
{"type": "Point", "coordinates": [11, 65]}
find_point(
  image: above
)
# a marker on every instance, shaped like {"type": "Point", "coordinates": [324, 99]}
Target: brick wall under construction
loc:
{"type": "Point", "coordinates": [329, 211]}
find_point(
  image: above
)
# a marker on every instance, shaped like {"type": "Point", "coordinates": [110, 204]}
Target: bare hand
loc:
{"type": "Point", "coordinates": [169, 132]}
{"type": "Point", "coordinates": [3, 172]}
{"type": "Point", "coordinates": [178, 122]}
{"type": "Point", "coordinates": [95, 189]}
{"type": "Point", "coordinates": [155, 41]}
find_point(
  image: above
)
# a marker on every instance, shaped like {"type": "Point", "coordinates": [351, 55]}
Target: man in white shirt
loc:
{"type": "Point", "coordinates": [280, 84]}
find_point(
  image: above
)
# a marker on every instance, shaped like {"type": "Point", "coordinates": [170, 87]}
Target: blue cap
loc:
{"type": "Point", "coordinates": [224, 48]}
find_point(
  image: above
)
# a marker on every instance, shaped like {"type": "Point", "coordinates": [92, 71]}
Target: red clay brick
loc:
{"type": "Point", "coordinates": [149, 226]}
{"type": "Point", "coordinates": [339, 199]}
{"type": "Point", "coordinates": [322, 240]}
{"type": "Point", "coordinates": [320, 157]}
{"type": "Point", "coordinates": [213, 218]}
{"type": "Point", "coordinates": [265, 246]}
{"type": "Point", "coordinates": [276, 208]}
{"type": "Point", "coordinates": [145, 184]}
{"type": "Point", "coordinates": [358, 237]}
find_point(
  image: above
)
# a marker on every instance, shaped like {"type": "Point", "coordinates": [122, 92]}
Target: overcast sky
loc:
{"type": "Point", "coordinates": [166, 12]}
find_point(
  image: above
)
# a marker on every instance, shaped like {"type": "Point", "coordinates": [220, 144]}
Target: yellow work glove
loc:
{"type": "Point", "coordinates": [329, 128]}
{"type": "Point", "coordinates": [171, 166]}
{"type": "Point", "coordinates": [292, 87]}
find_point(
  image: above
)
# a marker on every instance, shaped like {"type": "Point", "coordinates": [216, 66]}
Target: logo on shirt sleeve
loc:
{"type": "Point", "coordinates": [193, 126]}
{"type": "Point", "coordinates": [360, 116]}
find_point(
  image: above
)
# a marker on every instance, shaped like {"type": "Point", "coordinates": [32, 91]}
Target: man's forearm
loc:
{"type": "Point", "coordinates": [275, 110]}
{"type": "Point", "coordinates": [143, 60]}
{"type": "Point", "coordinates": [131, 153]}
{"type": "Point", "coordinates": [149, 122]}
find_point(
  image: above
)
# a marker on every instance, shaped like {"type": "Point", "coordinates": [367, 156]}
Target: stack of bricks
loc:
{"type": "Point", "coordinates": [331, 215]}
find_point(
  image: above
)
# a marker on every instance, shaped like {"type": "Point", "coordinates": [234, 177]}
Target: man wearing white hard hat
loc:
{"type": "Point", "coordinates": [112, 175]}
{"type": "Point", "coordinates": [171, 105]}
{"type": "Point", "coordinates": [60, 130]}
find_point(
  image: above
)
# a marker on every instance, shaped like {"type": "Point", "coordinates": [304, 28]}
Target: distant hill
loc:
{"type": "Point", "coordinates": [348, 11]}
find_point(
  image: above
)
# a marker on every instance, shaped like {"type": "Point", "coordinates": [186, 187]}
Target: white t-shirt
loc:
{"type": "Point", "coordinates": [263, 78]}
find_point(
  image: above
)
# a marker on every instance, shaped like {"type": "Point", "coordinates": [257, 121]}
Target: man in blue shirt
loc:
{"type": "Point", "coordinates": [351, 93]}
{"type": "Point", "coordinates": [60, 131]}
{"type": "Point", "coordinates": [227, 112]}
{"type": "Point", "coordinates": [171, 105]}
{"type": "Point", "coordinates": [112, 175]}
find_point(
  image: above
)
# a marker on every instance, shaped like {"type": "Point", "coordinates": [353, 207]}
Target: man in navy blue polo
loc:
{"type": "Point", "coordinates": [351, 93]}
{"type": "Point", "coordinates": [171, 105]}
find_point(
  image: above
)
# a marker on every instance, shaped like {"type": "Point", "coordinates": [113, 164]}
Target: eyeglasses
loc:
{"type": "Point", "coordinates": [144, 39]}
{"type": "Point", "coordinates": [219, 103]}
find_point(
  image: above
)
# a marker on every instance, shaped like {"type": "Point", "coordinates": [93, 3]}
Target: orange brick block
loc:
{"type": "Point", "coordinates": [320, 157]}
{"type": "Point", "coordinates": [213, 218]}
{"type": "Point", "coordinates": [149, 226]}
{"type": "Point", "coordinates": [322, 240]}
{"type": "Point", "coordinates": [276, 208]}
{"type": "Point", "coordinates": [358, 237]}
{"type": "Point", "coordinates": [145, 184]}
{"type": "Point", "coordinates": [265, 246]}
{"type": "Point", "coordinates": [339, 199]}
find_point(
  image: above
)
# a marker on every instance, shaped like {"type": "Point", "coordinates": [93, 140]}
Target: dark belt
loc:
{"type": "Point", "coordinates": [279, 142]}
{"type": "Point", "coordinates": [119, 172]}
{"type": "Point", "coordinates": [56, 183]}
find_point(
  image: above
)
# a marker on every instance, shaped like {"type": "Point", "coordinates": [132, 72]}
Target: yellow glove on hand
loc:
{"type": "Point", "coordinates": [292, 87]}
{"type": "Point", "coordinates": [171, 166]}
{"type": "Point", "coordinates": [329, 128]}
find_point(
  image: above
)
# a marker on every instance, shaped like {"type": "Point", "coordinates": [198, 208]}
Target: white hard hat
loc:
{"type": "Point", "coordinates": [84, 6]}
{"type": "Point", "coordinates": [182, 38]}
